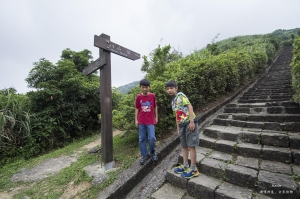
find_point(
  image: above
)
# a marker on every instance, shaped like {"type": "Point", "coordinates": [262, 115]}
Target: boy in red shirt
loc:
{"type": "Point", "coordinates": [145, 118]}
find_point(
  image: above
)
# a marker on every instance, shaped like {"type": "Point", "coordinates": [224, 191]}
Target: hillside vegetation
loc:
{"type": "Point", "coordinates": [296, 67]}
{"type": "Point", "coordinates": [127, 87]}
{"type": "Point", "coordinates": [203, 75]}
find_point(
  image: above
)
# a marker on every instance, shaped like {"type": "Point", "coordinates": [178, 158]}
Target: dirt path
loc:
{"type": "Point", "coordinates": [98, 141]}
{"type": "Point", "coordinates": [38, 172]}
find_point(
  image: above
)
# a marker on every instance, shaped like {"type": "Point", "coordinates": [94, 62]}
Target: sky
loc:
{"type": "Point", "coordinates": [35, 29]}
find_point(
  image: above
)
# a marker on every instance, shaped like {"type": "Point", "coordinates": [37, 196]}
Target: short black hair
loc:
{"type": "Point", "coordinates": [171, 84]}
{"type": "Point", "coordinates": [144, 82]}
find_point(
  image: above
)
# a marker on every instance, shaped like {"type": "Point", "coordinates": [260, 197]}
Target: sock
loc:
{"type": "Point", "coordinates": [186, 165]}
{"type": "Point", "coordinates": [193, 167]}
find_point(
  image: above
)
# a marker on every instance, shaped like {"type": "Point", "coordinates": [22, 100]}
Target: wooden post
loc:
{"type": "Point", "coordinates": [104, 63]}
{"type": "Point", "coordinates": [106, 107]}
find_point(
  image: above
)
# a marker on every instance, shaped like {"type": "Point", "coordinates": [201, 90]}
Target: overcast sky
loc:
{"type": "Point", "coordinates": [34, 29]}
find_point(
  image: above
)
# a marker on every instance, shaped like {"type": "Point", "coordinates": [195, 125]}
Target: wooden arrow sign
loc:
{"type": "Point", "coordinates": [100, 62]}
{"type": "Point", "coordinates": [106, 47]}
{"type": "Point", "coordinates": [105, 44]}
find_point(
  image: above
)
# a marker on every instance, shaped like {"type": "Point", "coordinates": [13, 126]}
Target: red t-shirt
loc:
{"type": "Point", "coordinates": [146, 105]}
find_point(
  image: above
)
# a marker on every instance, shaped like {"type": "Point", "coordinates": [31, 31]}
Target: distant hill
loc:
{"type": "Point", "coordinates": [127, 87]}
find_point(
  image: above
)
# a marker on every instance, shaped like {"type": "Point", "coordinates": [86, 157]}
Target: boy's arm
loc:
{"type": "Point", "coordinates": [136, 116]}
{"type": "Point", "coordinates": [177, 125]}
{"type": "Point", "coordinates": [156, 114]}
{"type": "Point", "coordinates": [191, 114]}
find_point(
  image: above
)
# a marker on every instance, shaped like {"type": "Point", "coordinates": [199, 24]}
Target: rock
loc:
{"type": "Point", "coordinates": [95, 149]}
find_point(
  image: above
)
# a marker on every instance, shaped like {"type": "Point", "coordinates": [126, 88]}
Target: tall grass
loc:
{"type": "Point", "coordinates": [15, 123]}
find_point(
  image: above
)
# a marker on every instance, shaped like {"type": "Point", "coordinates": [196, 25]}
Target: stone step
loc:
{"type": "Point", "coordinates": [244, 99]}
{"type": "Point", "coordinates": [280, 154]}
{"type": "Point", "coordinates": [272, 81]}
{"type": "Point", "coordinates": [276, 126]}
{"type": "Point", "coordinates": [264, 94]}
{"type": "Point", "coordinates": [262, 100]}
{"type": "Point", "coordinates": [278, 76]}
{"type": "Point", "coordinates": [267, 97]}
{"type": "Point", "coordinates": [247, 175]}
{"type": "Point", "coordinates": [167, 191]}
{"type": "Point", "coordinates": [274, 88]}
{"type": "Point", "coordinates": [267, 94]}
{"type": "Point", "coordinates": [277, 185]}
{"type": "Point", "coordinates": [261, 91]}
{"type": "Point", "coordinates": [283, 86]}
{"type": "Point", "coordinates": [261, 117]}
{"type": "Point", "coordinates": [208, 187]}
{"type": "Point", "coordinates": [254, 136]}
{"type": "Point", "coordinates": [279, 84]}
{"type": "Point", "coordinates": [294, 139]}
{"type": "Point", "coordinates": [267, 109]}
{"type": "Point", "coordinates": [265, 104]}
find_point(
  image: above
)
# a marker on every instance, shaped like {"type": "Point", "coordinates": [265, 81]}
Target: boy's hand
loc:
{"type": "Point", "coordinates": [156, 120]}
{"type": "Point", "coordinates": [191, 126]}
{"type": "Point", "coordinates": [136, 123]}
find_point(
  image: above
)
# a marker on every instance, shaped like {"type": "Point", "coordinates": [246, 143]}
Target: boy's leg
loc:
{"type": "Point", "coordinates": [185, 152]}
{"type": "Point", "coordinates": [193, 155]}
{"type": "Point", "coordinates": [183, 143]}
{"type": "Point", "coordinates": [184, 149]}
{"type": "Point", "coordinates": [143, 139]}
{"type": "Point", "coordinates": [192, 139]}
{"type": "Point", "coordinates": [151, 141]}
{"type": "Point", "coordinates": [151, 138]}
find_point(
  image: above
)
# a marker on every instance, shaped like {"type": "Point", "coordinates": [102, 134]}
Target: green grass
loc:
{"type": "Point", "coordinates": [125, 150]}
{"type": "Point", "coordinates": [297, 178]}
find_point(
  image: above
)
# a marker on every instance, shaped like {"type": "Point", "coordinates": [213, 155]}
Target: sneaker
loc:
{"type": "Point", "coordinates": [188, 174]}
{"type": "Point", "coordinates": [154, 157]}
{"type": "Point", "coordinates": [179, 169]}
{"type": "Point", "coordinates": [144, 159]}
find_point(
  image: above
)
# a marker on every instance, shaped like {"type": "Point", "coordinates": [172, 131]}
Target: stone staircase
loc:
{"type": "Point", "coordinates": [251, 149]}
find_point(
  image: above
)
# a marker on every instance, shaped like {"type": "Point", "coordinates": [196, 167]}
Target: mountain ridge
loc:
{"type": "Point", "coordinates": [127, 87]}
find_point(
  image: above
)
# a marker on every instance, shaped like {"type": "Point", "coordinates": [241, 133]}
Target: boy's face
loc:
{"type": "Point", "coordinates": [145, 89]}
{"type": "Point", "coordinates": [171, 90]}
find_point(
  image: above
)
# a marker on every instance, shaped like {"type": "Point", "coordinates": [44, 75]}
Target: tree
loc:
{"type": "Point", "coordinates": [292, 36]}
{"type": "Point", "coordinates": [159, 57]}
{"type": "Point", "coordinates": [80, 59]}
{"type": "Point", "coordinates": [66, 103]}
{"type": "Point", "coordinates": [116, 98]}
{"type": "Point", "coordinates": [213, 47]}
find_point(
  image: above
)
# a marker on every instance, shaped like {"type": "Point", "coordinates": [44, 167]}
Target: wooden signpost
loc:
{"type": "Point", "coordinates": [104, 64]}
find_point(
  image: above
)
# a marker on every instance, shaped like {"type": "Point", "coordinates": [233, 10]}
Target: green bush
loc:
{"type": "Point", "coordinates": [66, 104]}
{"type": "Point", "coordinates": [203, 76]}
{"type": "Point", "coordinates": [296, 69]}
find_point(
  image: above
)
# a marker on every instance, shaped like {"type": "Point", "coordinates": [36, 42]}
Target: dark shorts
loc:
{"type": "Point", "coordinates": [187, 137]}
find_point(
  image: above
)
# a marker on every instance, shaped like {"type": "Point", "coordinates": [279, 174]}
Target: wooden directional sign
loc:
{"type": "Point", "coordinates": [94, 66]}
{"type": "Point", "coordinates": [105, 44]}
{"type": "Point", "coordinates": [104, 63]}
